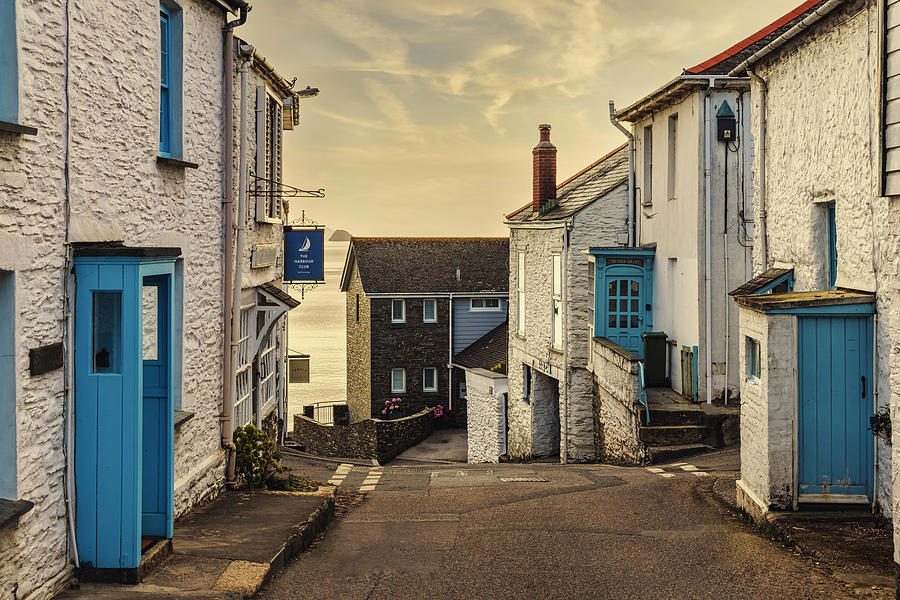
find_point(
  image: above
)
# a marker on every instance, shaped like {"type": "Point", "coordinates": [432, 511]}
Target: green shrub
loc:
{"type": "Point", "coordinates": [257, 458]}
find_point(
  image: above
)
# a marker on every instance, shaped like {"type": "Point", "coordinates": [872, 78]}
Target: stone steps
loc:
{"type": "Point", "coordinates": [662, 454]}
{"type": "Point", "coordinates": [665, 435]}
{"type": "Point", "coordinates": [672, 416]}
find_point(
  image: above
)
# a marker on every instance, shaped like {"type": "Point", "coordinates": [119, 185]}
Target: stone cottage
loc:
{"type": "Point", "coordinates": [412, 305]}
{"type": "Point", "coordinates": [551, 413]}
{"type": "Point", "coordinates": [818, 361]}
{"type": "Point", "coordinates": [113, 144]}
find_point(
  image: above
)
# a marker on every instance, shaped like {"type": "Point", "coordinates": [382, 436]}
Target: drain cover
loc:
{"type": "Point", "coordinates": [523, 479]}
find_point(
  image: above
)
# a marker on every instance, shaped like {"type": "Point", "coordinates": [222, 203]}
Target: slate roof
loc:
{"type": "Point", "coordinates": [724, 62]}
{"type": "Point", "coordinates": [398, 265]}
{"type": "Point", "coordinates": [486, 352]}
{"type": "Point", "coordinates": [721, 64]}
{"type": "Point", "coordinates": [281, 295]}
{"type": "Point", "coordinates": [583, 188]}
{"type": "Point", "coordinates": [759, 282]}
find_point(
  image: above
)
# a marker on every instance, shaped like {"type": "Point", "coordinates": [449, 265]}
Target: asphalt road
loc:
{"type": "Point", "coordinates": [588, 531]}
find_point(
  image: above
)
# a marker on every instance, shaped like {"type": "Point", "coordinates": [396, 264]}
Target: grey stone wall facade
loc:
{"type": "Point", "coordinates": [359, 349]}
{"type": "Point", "coordinates": [486, 417]}
{"type": "Point", "coordinates": [595, 225]}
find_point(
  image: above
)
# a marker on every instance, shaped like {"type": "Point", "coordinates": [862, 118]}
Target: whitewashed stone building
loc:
{"type": "Point", "coordinates": [817, 363]}
{"type": "Point", "coordinates": [113, 147]}
{"type": "Point", "coordinates": [550, 388]}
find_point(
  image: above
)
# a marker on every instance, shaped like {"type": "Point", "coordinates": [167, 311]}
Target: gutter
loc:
{"type": "Point", "coordinates": [787, 36]}
{"type": "Point", "coordinates": [439, 295]}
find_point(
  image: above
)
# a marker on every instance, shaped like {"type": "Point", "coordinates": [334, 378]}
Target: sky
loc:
{"type": "Point", "coordinates": [428, 109]}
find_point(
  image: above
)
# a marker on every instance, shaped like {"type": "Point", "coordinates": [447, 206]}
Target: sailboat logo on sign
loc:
{"type": "Point", "coordinates": [304, 252]}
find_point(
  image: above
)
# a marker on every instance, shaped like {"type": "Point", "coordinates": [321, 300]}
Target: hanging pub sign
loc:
{"type": "Point", "coordinates": [304, 254]}
{"type": "Point", "coordinates": [298, 368]}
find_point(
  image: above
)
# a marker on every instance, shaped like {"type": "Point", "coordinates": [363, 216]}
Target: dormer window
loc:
{"type": "Point", "coordinates": [485, 304]}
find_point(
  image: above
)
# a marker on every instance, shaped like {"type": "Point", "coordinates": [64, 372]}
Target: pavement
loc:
{"type": "Point", "coordinates": [443, 445]}
{"type": "Point", "coordinates": [549, 530]}
{"type": "Point", "coordinates": [229, 548]}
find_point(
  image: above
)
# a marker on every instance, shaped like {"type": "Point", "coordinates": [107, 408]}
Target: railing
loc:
{"type": "Point", "coordinates": [643, 396]}
{"type": "Point", "coordinates": [323, 412]}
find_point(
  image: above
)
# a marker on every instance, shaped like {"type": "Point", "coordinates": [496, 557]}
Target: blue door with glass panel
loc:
{"type": "Point", "coordinates": [835, 402]}
{"type": "Point", "coordinates": [625, 317]}
{"type": "Point", "coordinates": [124, 413]}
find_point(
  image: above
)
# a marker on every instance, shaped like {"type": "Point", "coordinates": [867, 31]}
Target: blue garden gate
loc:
{"type": "Point", "coordinates": [835, 401]}
{"type": "Point", "coordinates": [124, 411]}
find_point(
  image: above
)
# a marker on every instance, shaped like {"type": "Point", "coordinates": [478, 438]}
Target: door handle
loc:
{"type": "Point", "coordinates": [863, 378]}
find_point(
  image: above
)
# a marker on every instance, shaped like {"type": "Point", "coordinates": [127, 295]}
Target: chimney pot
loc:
{"type": "Point", "coordinates": [543, 171]}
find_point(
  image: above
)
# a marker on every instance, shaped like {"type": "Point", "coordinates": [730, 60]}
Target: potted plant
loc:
{"type": "Point", "coordinates": [881, 424]}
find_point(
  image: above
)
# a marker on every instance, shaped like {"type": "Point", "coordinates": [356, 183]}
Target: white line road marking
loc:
{"type": "Point", "coordinates": [700, 473]}
{"type": "Point", "coordinates": [667, 475]}
{"type": "Point", "coordinates": [676, 464]}
{"type": "Point", "coordinates": [688, 468]}
{"type": "Point", "coordinates": [371, 480]}
{"type": "Point", "coordinates": [655, 470]}
{"type": "Point", "coordinates": [340, 474]}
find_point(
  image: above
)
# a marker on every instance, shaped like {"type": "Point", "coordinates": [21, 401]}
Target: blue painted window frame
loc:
{"type": "Point", "coordinates": [8, 457]}
{"type": "Point", "coordinates": [170, 80]}
{"type": "Point", "coordinates": [752, 359]}
{"type": "Point", "coordinates": [831, 224]}
{"type": "Point", "coordinates": [9, 63]}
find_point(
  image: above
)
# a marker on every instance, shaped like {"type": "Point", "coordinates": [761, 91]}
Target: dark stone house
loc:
{"type": "Point", "coordinates": [413, 304]}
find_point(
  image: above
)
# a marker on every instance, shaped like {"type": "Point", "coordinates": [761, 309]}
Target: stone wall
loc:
{"type": "Point", "coordinates": [118, 192]}
{"type": "Point", "coordinates": [616, 408]}
{"type": "Point", "coordinates": [370, 438]}
{"type": "Point", "coordinates": [486, 419]}
{"type": "Point", "coordinates": [359, 349]}
{"type": "Point", "coordinates": [413, 346]}
{"type": "Point", "coordinates": [823, 146]}
{"type": "Point", "coordinates": [767, 413]}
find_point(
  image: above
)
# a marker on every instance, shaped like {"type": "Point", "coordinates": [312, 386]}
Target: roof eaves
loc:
{"type": "Point", "coordinates": [232, 6]}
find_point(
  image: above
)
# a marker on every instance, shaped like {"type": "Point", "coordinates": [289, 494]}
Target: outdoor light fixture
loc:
{"type": "Point", "coordinates": [309, 92]}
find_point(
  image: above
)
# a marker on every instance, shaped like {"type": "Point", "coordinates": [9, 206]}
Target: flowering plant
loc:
{"type": "Point", "coordinates": [441, 413]}
{"type": "Point", "coordinates": [391, 406]}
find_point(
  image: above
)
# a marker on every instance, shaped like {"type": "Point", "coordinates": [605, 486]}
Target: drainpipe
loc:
{"type": "Point", "coordinates": [243, 177]}
{"type": "Point", "coordinates": [763, 237]}
{"type": "Point", "coordinates": [450, 358]}
{"type": "Point", "coordinates": [227, 421]}
{"type": "Point", "coordinates": [875, 405]}
{"type": "Point", "coordinates": [725, 291]}
{"type": "Point", "coordinates": [708, 203]}
{"type": "Point", "coordinates": [632, 207]}
{"type": "Point", "coordinates": [564, 280]}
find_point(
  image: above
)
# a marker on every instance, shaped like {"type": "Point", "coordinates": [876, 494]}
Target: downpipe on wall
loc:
{"type": "Point", "coordinates": [632, 206]}
{"type": "Point", "coordinates": [763, 236]}
{"type": "Point", "coordinates": [875, 407]}
{"type": "Point", "coordinates": [707, 174]}
{"type": "Point", "coordinates": [450, 358]}
{"type": "Point", "coordinates": [565, 332]}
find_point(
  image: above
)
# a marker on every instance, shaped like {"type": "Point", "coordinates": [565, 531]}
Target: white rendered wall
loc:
{"type": "Point", "coordinates": [822, 146]}
{"type": "Point", "coordinates": [485, 424]}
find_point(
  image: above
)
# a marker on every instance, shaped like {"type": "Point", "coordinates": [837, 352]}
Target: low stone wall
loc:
{"type": "Point", "coordinates": [616, 404]}
{"type": "Point", "coordinates": [371, 438]}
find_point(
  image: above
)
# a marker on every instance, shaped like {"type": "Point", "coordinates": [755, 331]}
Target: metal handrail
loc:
{"type": "Point", "coordinates": [643, 394]}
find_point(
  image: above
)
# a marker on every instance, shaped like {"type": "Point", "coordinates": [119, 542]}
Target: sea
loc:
{"type": "Point", "coordinates": [317, 327]}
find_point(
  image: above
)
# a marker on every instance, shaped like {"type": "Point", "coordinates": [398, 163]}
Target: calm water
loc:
{"type": "Point", "coordinates": [318, 328]}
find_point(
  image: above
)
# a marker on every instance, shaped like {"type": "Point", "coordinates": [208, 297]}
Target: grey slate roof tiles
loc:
{"type": "Point", "coordinates": [487, 352]}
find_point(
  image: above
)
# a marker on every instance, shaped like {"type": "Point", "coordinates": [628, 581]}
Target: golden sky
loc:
{"type": "Point", "coordinates": [429, 109]}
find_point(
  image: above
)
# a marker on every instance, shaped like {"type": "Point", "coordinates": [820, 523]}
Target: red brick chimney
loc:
{"type": "Point", "coordinates": [543, 184]}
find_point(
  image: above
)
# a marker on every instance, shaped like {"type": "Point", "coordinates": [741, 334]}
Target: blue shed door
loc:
{"type": "Point", "coordinates": [835, 386]}
{"type": "Point", "coordinates": [157, 474]}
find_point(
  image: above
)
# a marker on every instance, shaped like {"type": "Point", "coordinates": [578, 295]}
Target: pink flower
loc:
{"type": "Point", "coordinates": [384, 412]}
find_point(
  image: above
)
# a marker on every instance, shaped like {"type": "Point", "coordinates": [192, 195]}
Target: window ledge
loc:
{"type": "Point", "coordinates": [270, 221]}
{"type": "Point", "coordinates": [182, 417]}
{"type": "Point", "coordinates": [176, 162]}
{"type": "Point", "coordinates": [17, 128]}
{"type": "Point", "coordinates": [11, 510]}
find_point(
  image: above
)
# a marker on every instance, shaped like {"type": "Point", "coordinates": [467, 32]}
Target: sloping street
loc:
{"type": "Point", "coordinates": [545, 530]}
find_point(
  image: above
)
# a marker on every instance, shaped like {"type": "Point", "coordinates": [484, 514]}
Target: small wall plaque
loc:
{"type": "Point", "coordinates": [45, 359]}
{"type": "Point", "coordinates": [263, 255]}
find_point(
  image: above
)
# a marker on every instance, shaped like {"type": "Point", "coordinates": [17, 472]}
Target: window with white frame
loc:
{"type": "Point", "coordinates": [398, 381]}
{"type": "Point", "coordinates": [269, 125]}
{"type": "Point", "coordinates": [243, 409]}
{"type": "Point", "coordinates": [266, 388]}
{"type": "Point", "coordinates": [429, 379]}
{"type": "Point", "coordinates": [485, 304]}
{"type": "Point", "coordinates": [429, 310]}
{"type": "Point", "coordinates": [647, 190]}
{"type": "Point", "coordinates": [592, 269]}
{"type": "Point", "coordinates": [526, 383]}
{"type": "Point", "coordinates": [520, 294]}
{"type": "Point", "coordinates": [557, 301]}
{"type": "Point", "coordinates": [672, 163]}
{"type": "Point", "coordinates": [398, 311]}
{"type": "Point", "coordinates": [889, 111]}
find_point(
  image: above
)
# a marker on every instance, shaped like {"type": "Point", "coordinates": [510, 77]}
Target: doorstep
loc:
{"type": "Point", "coordinates": [229, 548]}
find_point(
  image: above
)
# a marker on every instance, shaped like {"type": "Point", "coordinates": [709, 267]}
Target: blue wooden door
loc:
{"type": "Point", "coordinates": [157, 447]}
{"type": "Point", "coordinates": [107, 413]}
{"type": "Point", "coordinates": [625, 307]}
{"type": "Point", "coordinates": [835, 388]}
